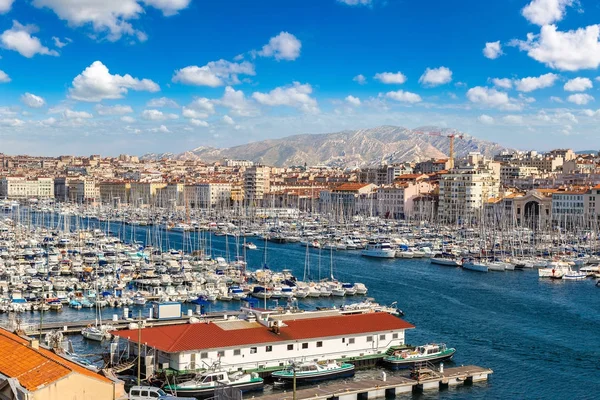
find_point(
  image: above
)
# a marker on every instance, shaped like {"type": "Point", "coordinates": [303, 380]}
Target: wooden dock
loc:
{"type": "Point", "coordinates": [379, 388]}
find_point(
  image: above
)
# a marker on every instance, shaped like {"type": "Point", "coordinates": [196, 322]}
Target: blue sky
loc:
{"type": "Point", "coordinates": [137, 76]}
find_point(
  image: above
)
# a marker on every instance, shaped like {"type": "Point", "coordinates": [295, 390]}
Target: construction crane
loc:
{"type": "Point", "coordinates": [451, 136]}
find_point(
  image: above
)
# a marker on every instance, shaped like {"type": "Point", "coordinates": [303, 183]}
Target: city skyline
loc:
{"type": "Point", "coordinates": [135, 77]}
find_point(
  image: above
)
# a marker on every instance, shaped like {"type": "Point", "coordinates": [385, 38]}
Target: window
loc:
{"type": "Point", "coordinates": [221, 353]}
{"type": "Point", "coordinates": [144, 393]}
{"type": "Point", "coordinates": [381, 337]}
{"type": "Point", "coordinates": [268, 348]}
{"type": "Point", "coordinates": [290, 347]}
{"type": "Point", "coordinates": [343, 340]}
{"type": "Point", "coordinates": [154, 395]}
{"type": "Point", "coordinates": [369, 339]}
{"type": "Point", "coordinates": [135, 393]}
{"type": "Point", "coordinates": [305, 345]}
{"type": "Point", "coordinates": [237, 352]}
{"type": "Point", "coordinates": [253, 350]}
{"type": "Point", "coordinates": [395, 336]}
{"type": "Point", "coordinates": [203, 355]}
{"type": "Point", "coordinates": [351, 341]}
{"type": "Point", "coordinates": [319, 344]}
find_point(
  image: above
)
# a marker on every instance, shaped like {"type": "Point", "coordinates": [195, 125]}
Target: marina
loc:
{"type": "Point", "coordinates": [408, 296]}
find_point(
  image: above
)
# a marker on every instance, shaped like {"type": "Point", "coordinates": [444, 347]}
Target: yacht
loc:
{"type": "Point", "coordinates": [379, 250]}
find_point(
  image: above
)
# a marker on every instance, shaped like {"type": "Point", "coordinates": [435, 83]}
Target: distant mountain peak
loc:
{"type": "Point", "coordinates": [359, 147]}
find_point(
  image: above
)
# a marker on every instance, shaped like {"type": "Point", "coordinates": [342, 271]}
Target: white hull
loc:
{"type": "Point", "coordinates": [379, 253]}
{"type": "Point", "coordinates": [475, 267]}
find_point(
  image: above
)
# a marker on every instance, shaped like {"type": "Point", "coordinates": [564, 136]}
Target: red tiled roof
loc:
{"type": "Point", "coordinates": [177, 338]}
{"type": "Point", "coordinates": [35, 368]}
{"type": "Point", "coordinates": [346, 187]}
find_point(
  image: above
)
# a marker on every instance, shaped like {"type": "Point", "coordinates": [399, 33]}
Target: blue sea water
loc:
{"type": "Point", "coordinates": [541, 337]}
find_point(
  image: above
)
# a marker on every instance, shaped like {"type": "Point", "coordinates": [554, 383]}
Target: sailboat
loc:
{"type": "Point", "coordinates": [97, 332]}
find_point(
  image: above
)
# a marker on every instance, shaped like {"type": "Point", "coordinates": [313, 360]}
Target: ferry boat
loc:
{"type": "Point", "coordinates": [204, 384]}
{"type": "Point", "coordinates": [314, 371]}
{"type": "Point", "coordinates": [406, 358]}
{"type": "Point", "coordinates": [379, 250]}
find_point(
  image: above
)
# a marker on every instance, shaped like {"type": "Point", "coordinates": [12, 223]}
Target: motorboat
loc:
{"type": "Point", "coordinates": [473, 265]}
{"type": "Point", "coordinates": [204, 384]}
{"type": "Point", "coordinates": [446, 259]}
{"type": "Point", "coordinates": [314, 371]}
{"type": "Point", "coordinates": [406, 358]}
{"type": "Point", "coordinates": [379, 250]}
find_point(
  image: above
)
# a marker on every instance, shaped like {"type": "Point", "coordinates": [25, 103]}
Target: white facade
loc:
{"type": "Point", "coordinates": [256, 182]}
{"type": "Point", "coordinates": [17, 187]}
{"type": "Point", "coordinates": [464, 191]}
{"type": "Point", "coordinates": [212, 194]}
{"type": "Point", "coordinates": [266, 355]}
{"type": "Point", "coordinates": [568, 205]}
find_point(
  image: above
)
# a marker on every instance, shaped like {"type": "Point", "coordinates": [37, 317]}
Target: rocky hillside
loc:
{"type": "Point", "coordinates": [348, 148]}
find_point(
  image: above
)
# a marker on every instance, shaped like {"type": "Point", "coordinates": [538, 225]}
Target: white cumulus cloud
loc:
{"type": "Point", "coordinates": [356, 2]}
{"type": "Point", "coordinates": [436, 76]}
{"type": "Point", "coordinates": [19, 38]}
{"type": "Point", "coordinates": [113, 110]}
{"type": "Point", "coordinates": [532, 83]}
{"type": "Point", "coordinates": [162, 102]}
{"type": "Point", "coordinates": [5, 6]}
{"type": "Point", "coordinates": [492, 50]}
{"type": "Point", "coordinates": [198, 122]}
{"type": "Point", "coordinates": [199, 108]}
{"type": "Point", "coordinates": [578, 85]}
{"type": "Point", "coordinates": [355, 101]}
{"type": "Point", "coordinates": [110, 17]}
{"type": "Point", "coordinates": [492, 98]}
{"type": "Point", "coordinates": [486, 119]}
{"type": "Point", "coordinates": [96, 83]}
{"type": "Point", "coordinates": [237, 103]}
{"type": "Point", "coordinates": [504, 83]}
{"type": "Point", "coordinates": [580, 98]}
{"type": "Point", "coordinates": [513, 119]}
{"type": "Point", "coordinates": [70, 114]}
{"type": "Point", "coordinates": [214, 74]}
{"type": "Point", "coordinates": [360, 79]}
{"type": "Point", "coordinates": [296, 95]}
{"type": "Point", "coordinates": [546, 12]}
{"type": "Point", "coordinates": [284, 46]}
{"type": "Point", "coordinates": [4, 78]}
{"type": "Point", "coordinates": [391, 77]}
{"type": "Point", "coordinates": [33, 101]}
{"type": "Point", "coordinates": [568, 51]}
{"type": "Point", "coordinates": [404, 97]}
{"type": "Point", "coordinates": [228, 120]}
{"type": "Point", "coordinates": [157, 115]}
{"type": "Point", "coordinates": [128, 119]}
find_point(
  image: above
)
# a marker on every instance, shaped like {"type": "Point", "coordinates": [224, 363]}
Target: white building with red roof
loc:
{"type": "Point", "coordinates": [258, 344]}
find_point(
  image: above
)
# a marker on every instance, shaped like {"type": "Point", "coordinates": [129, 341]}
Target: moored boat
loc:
{"type": "Point", "coordinates": [204, 384]}
{"type": "Point", "coordinates": [314, 371]}
{"type": "Point", "coordinates": [406, 358]}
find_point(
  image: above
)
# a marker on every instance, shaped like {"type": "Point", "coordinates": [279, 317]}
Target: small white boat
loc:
{"type": "Point", "coordinates": [379, 250]}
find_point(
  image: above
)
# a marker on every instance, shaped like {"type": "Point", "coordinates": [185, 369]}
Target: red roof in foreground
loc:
{"type": "Point", "coordinates": [177, 338]}
{"type": "Point", "coordinates": [35, 368]}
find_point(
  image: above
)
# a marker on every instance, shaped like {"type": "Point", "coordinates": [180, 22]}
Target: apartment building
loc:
{"type": "Point", "coordinates": [464, 191]}
{"type": "Point", "coordinates": [256, 182]}
{"type": "Point", "coordinates": [20, 187]}
{"type": "Point", "coordinates": [208, 194]}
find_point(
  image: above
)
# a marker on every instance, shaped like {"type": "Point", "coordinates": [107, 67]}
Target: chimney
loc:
{"type": "Point", "coordinates": [34, 344]}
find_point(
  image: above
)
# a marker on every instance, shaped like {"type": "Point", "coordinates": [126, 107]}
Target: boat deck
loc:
{"type": "Point", "coordinates": [378, 388]}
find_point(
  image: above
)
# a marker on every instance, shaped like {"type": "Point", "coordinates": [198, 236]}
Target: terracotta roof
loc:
{"type": "Point", "coordinates": [346, 187]}
{"type": "Point", "coordinates": [177, 338]}
{"type": "Point", "coordinates": [35, 368]}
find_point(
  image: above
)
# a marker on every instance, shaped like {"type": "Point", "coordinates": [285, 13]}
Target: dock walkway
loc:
{"type": "Point", "coordinates": [378, 388]}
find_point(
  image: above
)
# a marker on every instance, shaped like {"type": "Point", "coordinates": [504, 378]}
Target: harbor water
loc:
{"type": "Point", "coordinates": [541, 337]}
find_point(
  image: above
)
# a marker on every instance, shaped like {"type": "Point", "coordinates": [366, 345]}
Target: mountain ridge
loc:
{"type": "Point", "coordinates": [348, 148]}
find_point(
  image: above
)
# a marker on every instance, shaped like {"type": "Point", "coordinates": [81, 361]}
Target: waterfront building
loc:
{"type": "Point", "coordinates": [208, 194]}
{"type": "Point", "coordinates": [146, 192]}
{"type": "Point", "coordinates": [349, 199]}
{"type": "Point", "coordinates": [568, 205]}
{"type": "Point", "coordinates": [396, 201]}
{"type": "Point", "coordinates": [20, 187]}
{"type": "Point", "coordinates": [28, 371]}
{"type": "Point", "coordinates": [464, 191]}
{"type": "Point", "coordinates": [114, 192]}
{"type": "Point", "coordinates": [268, 342]}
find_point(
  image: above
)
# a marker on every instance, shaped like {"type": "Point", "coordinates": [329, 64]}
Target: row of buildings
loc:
{"type": "Point", "coordinates": [563, 183]}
